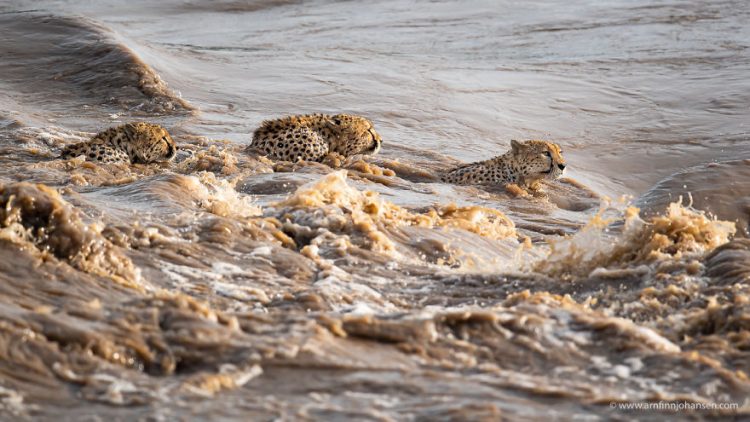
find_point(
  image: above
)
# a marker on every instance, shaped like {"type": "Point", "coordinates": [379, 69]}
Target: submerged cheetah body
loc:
{"type": "Point", "coordinates": [312, 137]}
{"type": "Point", "coordinates": [130, 143]}
{"type": "Point", "coordinates": [526, 164]}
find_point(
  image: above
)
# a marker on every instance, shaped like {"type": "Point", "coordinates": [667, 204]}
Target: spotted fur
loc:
{"type": "Point", "coordinates": [525, 164]}
{"type": "Point", "coordinates": [312, 137]}
{"type": "Point", "coordinates": [130, 143]}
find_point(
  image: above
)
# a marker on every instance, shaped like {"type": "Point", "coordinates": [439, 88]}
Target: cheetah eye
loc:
{"type": "Point", "coordinates": [548, 154]}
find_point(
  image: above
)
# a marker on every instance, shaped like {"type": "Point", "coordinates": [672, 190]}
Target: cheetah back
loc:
{"type": "Point", "coordinates": [96, 150]}
{"type": "Point", "coordinates": [290, 143]}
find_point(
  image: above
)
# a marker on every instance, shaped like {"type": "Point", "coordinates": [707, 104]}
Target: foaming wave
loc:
{"type": "Point", "coordinates": [218, 196]}
{"type": "Point", "coordinates": [37, 215]}
{"type": "Point", "coordinates": [212, 159]}
{"type": "Point", "coordinates": [680, 233]}
{"type": "Point", "coordinates": [317, 215]}
{"type": "Point", "coordinates": [174, 194]}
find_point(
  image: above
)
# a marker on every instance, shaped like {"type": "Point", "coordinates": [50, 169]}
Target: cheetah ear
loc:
{"type": "Point", "coordinates": [515, 146]}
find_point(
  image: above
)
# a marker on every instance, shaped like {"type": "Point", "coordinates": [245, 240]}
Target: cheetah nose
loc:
{"type": "Point", "coordinates": [561, 166]}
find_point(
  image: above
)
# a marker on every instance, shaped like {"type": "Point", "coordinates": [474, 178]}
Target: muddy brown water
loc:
{"type": "Point", "coordinates": [228, 287]}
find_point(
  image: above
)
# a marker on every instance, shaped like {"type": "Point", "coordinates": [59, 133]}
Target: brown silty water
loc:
{"type": "Point", "coordinates": [224, 286]}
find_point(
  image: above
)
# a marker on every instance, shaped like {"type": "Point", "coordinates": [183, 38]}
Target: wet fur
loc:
{"type": "Point", "coordinates": [130, 143]}
{"type": "Point", "coordinates": [312, 137]}
{"type": "Point", "coordinates": [525, 164]}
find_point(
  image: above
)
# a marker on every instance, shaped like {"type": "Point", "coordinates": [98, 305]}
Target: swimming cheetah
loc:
{"type": "Point", "coordinates": [312, 137]}
{"type": "Point", "coordinates": [129, 143]}
{"type": "Point", "coordinates": [525, 164]}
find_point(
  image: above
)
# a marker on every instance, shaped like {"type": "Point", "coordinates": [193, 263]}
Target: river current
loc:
{"type": "Point", "coordinates": [223, 286]}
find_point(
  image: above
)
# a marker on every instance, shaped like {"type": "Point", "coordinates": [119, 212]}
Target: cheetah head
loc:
{"type": "Point", "coordinates": [538, 160]}
{"type": "Point", "coordinates": [152, 143]}
{"type": "Point", "coordinates": [356, 135]}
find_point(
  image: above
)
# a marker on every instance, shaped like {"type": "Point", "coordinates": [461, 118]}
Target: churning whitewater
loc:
{"type": "Point", "coordinates": [228, 286]}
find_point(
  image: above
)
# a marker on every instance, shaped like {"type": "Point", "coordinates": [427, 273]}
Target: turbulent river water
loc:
{"type": "Point", "coordinates": [223, 286]}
